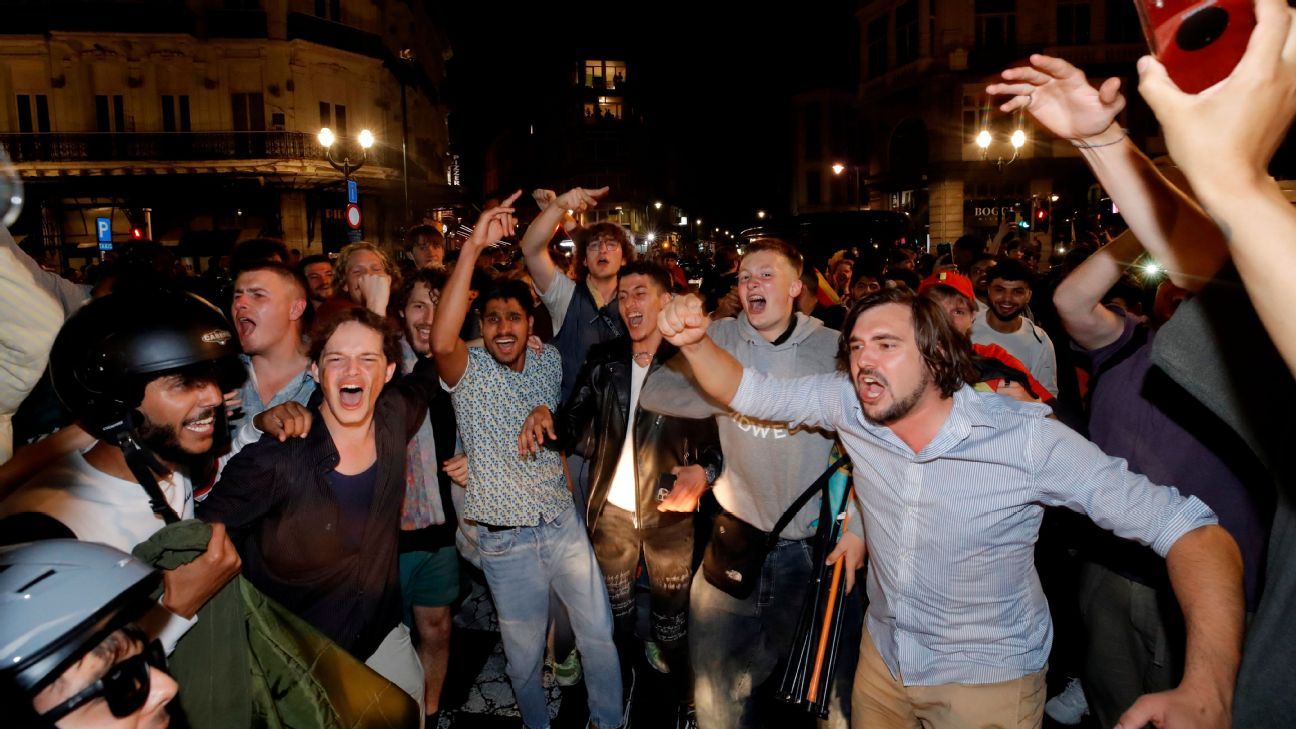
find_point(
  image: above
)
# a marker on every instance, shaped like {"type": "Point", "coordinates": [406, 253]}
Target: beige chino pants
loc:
{"type": "Point", "coordinates": [879, 701]}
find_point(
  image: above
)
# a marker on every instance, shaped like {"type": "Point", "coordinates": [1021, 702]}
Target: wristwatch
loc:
{"type": "Point", "coordinates": [712, 473]}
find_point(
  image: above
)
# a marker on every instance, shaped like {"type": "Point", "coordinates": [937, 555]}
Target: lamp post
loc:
{"type": "Point", "coordinates": [1017, 139]}
{"type": "Point", "coordinates": [346, 166]}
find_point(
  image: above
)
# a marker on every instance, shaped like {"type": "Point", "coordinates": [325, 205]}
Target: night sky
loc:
{"type": "Point", "coordinates": [716, 85]}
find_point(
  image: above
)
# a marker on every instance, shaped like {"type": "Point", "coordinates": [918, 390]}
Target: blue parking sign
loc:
{"type": "Point", "coordinates": [353, 195]}
{"type": "Point", "coordinates": [103, 227]}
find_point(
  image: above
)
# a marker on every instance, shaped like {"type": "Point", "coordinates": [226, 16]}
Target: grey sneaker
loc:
{"type": "Point", "coordinates": [1070, 706]}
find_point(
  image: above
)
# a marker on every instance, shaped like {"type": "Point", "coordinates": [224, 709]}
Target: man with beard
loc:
{"type": "Point", "coordinates": [958, 628]}
{"type": "Point", "coordinates": [143, 374]}
{"type": "Point", "coordinates": [269, 312]}
{"type": "Point", "coordinates": [316, 517]}
{"type": "Point", "coordinates": [1004, 324]}
{"type": "Point", "coordinates": [648, 473]}
{"type": "Point", "coordinates": [528, 533]}
{"type": "Point", "coordinates": [318, 272]}
{"type": "Point", "coordinates": [737, 643]}
{"type": "Point", "coordinates": [429, 562]}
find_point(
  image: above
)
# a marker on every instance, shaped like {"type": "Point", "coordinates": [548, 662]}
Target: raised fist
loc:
{"type": "Point", "coordinates": [684, 321]}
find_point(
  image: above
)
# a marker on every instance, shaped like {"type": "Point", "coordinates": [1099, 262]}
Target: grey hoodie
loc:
{"type": "Point", "coordinates": [766, 465]}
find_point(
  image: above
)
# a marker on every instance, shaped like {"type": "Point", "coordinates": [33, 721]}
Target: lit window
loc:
{"type": "Point", "coordinates": [601, 74]}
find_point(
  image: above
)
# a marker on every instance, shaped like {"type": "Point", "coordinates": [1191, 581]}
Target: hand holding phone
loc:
{"type": "Point", "coordinates": [1198, 41]}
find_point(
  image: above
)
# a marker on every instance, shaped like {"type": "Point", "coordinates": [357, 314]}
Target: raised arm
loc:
{"type": "Point", "coordinates": [684, 323]}
{"type": "Point", "coordinates": [1079, 297]}
{"type": "Point", "coordinates": [1169, 224]}
{"type": "Point", "coordinates": [1223, 140]}
{"type": "Point", "coordinates": [450, 350]}
{"type": "Point", "coordinates": [535, 242]}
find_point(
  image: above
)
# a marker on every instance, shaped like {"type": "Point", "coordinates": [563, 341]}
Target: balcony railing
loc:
{"type": "Point", "coordinates": [171, 147]}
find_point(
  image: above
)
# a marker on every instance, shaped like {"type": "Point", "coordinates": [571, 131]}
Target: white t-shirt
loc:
{"type": "Point", "coordinates": [1029, 344]}
{"type": "Point", "coordinates": [622, 493]}
{"type": "Point", "coordinates": [101, 508]}
{"type": "Point", "coordinates": [98, 507]}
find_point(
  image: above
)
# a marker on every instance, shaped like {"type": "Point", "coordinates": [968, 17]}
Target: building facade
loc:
{"type": "Point", "coordinates": [196, 122]}
{"type": "Point", "coordinates": [596, 130]}
{"type": "Point", "coordinates": [924, 65]}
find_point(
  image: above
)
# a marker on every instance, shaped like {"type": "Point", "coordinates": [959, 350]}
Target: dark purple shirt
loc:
{"type": "Point", "coordinates": [1138, 413]}
{"type": "Point", "coordinates": [354, 494]}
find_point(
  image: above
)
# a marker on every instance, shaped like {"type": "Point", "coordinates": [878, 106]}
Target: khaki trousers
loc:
{"type": "Point", "coordinates": [879, 701]}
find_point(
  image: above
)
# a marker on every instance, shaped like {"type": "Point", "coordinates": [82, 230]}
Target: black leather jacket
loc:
{"type": "Point", "coordinates": [600, 401]}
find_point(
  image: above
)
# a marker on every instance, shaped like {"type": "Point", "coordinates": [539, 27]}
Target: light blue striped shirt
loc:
{"type": "Point", "coordinates": [954, 595]}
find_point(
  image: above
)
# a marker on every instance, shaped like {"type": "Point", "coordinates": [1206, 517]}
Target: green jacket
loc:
{"type": "Point", "coordinates": [249, 662]}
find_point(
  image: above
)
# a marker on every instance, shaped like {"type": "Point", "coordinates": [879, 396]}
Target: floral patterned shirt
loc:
{"type": "Point", "coordinates": [491, 403]}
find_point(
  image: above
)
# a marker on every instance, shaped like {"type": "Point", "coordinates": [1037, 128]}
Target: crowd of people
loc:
{"type": "Point", "coordinates": [308, 459]}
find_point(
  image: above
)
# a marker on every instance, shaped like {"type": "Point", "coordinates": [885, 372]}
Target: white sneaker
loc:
{"type": "Point", "coordinates": [1068, 707]}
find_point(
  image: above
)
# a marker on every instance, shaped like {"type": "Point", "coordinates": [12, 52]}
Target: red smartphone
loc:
{"type": "Point", "coordinates": [1198, 41]}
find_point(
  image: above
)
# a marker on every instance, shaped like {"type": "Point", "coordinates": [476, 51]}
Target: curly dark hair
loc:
{"type": "Point", "coordinates": [598, 230]}
{"type": "Point", "coordinates": [945, 352]}
{"type": "Point", "coordinates": [434, 281]}
{"type": "Point", "coordinates": [506, 289]}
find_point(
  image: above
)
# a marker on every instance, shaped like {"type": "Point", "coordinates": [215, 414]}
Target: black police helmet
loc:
{"type": "Point", "coordinates": [109, 350]}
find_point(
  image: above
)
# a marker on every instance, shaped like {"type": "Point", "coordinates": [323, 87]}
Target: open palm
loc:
{"type": "Point", "coordinates": [1060, 98]}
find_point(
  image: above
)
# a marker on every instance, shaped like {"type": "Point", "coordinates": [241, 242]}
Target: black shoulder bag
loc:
{"type": "Point", "coordinates": [736, 553]}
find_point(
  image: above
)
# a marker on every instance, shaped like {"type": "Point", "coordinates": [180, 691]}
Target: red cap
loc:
{"type": "Point", "coordinates": [952, 279]}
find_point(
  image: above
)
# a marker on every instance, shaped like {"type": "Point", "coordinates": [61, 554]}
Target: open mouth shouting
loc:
{"type": "Point", "coordinates": [871, 387]}
{"type": "Point", "coordinates": [756, 304]}
{"type": "Point", "coordinates": [506, 346]}
{"type": "Point", "coordinates": [351, 397]}
{"type": "Point", "coordinates": [245, 326]}
{"type": "Point", "coordinates": [635, 319]}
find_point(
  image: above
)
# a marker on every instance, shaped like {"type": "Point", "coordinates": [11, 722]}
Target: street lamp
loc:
{"type": "Point", "coordinates": [760, 214]}
{"type": "Point", "coordinates": [346, 166]}
{"type": "Point", "coordinates": [658, 205]}
{"type": "Point", "coordinates": [838, 168]}
{"type": "Point", "coordinates": [984, 139]}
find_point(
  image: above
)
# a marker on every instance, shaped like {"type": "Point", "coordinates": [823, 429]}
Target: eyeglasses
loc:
{"type": "Point", "coordinates": [604, 245]}
{"type": "Point", "coordinates": [125, 686]}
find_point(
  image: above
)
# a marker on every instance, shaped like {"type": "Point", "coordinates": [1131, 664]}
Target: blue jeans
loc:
{"type": "Point", "coordinates": [522, 565]}
{"type": "Point", "coordinates": [737, 645]}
